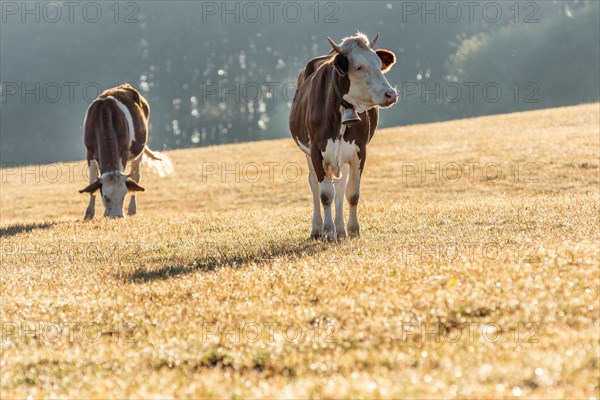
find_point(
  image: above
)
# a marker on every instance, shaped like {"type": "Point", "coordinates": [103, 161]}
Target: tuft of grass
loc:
{"type": "Point", "coordinates": [469, 288]}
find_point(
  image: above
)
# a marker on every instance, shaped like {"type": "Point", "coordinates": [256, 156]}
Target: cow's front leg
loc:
{"type": "Point", "coordinates": [136, 175]}
{"type": "Point", "coordinates": [353, 195]}
{"type": "Point", "coordinates": [327, 192]}
{"type": "Point", "coordinates": [340, 188]}
{"type": "Point", "coordinates": [317, 220]}
{"type": "Point", "coordinates": [94, 171]}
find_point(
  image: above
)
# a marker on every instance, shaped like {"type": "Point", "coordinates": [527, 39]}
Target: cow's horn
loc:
{"type": "Point", "coordinates": [335, 46]}
{"type": "Point", "coordinates": [374, 41]}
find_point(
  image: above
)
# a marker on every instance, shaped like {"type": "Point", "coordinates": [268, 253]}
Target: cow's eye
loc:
{"type": "Point", "coordinates": [359, 68]}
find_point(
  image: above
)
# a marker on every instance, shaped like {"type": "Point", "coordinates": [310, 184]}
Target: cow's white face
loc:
{"type": "Point", "coordinates": [113, 187]}
{"type": "Point", "coordinates": [113, 190]}
{"type": "Point", "coordinates": [365, 68]}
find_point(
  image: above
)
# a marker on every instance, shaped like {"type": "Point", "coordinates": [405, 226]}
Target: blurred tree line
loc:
{"type": "Point", "coordinates": [218, 72]}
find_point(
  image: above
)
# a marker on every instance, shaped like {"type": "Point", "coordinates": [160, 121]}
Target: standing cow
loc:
{"type": "Point", "coordinates": [334, 116]}
{"type": "Point", "coordinates": [115, 131]}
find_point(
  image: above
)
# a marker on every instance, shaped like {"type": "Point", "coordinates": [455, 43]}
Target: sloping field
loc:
{"type": "Point", "coordinates": [476, 275]}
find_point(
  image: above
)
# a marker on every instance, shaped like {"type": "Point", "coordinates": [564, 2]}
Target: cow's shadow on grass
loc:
{"type": "Point", "coordinates": [227, 259]}
{"type": "Point", "coordinates": [12, 230]}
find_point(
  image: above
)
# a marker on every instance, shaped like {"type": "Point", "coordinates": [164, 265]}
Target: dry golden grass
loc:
{"type": "Point", "coordinates": [516, 257]}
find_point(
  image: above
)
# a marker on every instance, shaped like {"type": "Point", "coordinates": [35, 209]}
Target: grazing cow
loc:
{"type": "Point", "coordinates": [334, 116]}
{"type": "Point", "coordinates": [115, 131]}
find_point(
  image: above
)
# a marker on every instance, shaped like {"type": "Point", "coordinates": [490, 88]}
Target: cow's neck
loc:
{"type": "Point", "coordinates": [337, 82]}
{"type": "Point", "coordinates": [109, 155]}
{"type": "Point", "coordinates": [343, 84]}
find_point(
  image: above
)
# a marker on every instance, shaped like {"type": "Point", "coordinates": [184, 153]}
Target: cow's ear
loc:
{"type": "Point", "coordinates": [132, 186]}
{"type": "Point", "coordinates": [92, 188]}
{"type": "Point", "coordinates": [340, 62]}
{"type": "Point", "coordinates": [388, 59]}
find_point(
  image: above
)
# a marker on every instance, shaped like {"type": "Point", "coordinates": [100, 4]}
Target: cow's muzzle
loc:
{"type": "Point", "coordinates": [391, 98]}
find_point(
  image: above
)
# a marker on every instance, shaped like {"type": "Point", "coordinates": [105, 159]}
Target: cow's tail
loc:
{"type": "Point", "coordinates": [158, 162]}
{"type": "Point", "coordinates": [153, 155]}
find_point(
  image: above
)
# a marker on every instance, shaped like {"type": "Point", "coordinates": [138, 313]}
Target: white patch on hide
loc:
{"type": "Point", "coordinates": [129, 118]}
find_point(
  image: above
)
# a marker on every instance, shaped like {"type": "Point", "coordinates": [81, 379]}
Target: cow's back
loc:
{"type": "Point", "coordinates": [311, 67]}
{"type": "Point", "coordinates": [139, 112]}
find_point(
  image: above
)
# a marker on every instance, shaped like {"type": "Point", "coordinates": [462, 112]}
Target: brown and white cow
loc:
{"type": "Point", "coordinates": [115, 131]}
{"type": "Point", "coordinates": [334, 92]}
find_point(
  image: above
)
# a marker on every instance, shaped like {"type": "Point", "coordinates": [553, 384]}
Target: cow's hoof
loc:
{"type": "Point", "coordinates": [317, 231]}
{"type": "Point", "coordinates": [354, 231]}
{"type": "Point", "coordinates": [131, 212]}
{"type": "Point", "coordinates": [88, 217]}
{"type": "Point", "coordinates": [341, 234]}
{"type": "Point", "coordinates": [329, 235]}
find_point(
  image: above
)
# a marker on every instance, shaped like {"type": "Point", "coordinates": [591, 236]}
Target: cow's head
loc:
{"type": "Point", "coordinates": [357, 58]}
{"type": "Point", "coordinates": [113, 187]}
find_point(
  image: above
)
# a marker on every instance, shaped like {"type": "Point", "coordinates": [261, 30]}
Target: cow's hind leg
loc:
{"type": "Point", "coordinates": [352, 195]}
{"type": "Point", "coordinates": [340, 188]}
{"type": "Point", "coordinates": [317, 219]}
{"type": "Point", "coordinates": [94, 170]}
{"type": "Point", "coordinates": [136, 175]}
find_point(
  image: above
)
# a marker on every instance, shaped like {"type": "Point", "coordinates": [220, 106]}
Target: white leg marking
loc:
{"type": "Point", "coordinates": [352, 195]}
{"type": "Point", "coordinates": [340, 188]}
{"type": "Point", "coordinates": [136, 175]}
{"type": "Point", "coordinates": [91, 208]}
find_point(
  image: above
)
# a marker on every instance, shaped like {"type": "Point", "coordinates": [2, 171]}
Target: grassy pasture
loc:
{"type": "Point", "coordinates": [476, 275]}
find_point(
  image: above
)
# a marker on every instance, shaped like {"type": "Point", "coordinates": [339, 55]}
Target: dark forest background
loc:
{"type": "Point", "coordinates": [223, 72]}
